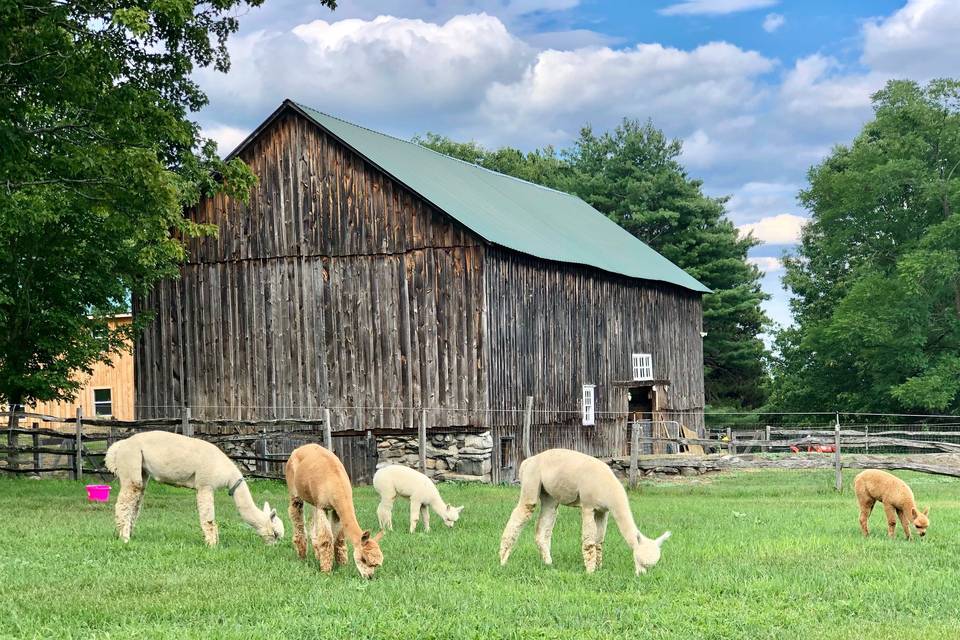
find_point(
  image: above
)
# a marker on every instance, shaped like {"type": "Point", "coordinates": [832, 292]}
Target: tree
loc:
{"type": "Point", "coordinates": [99, 158]}
{"type": "Point", "coordinates": [632, 175]}
{"type": "Point", "coordinates": [876, 279]}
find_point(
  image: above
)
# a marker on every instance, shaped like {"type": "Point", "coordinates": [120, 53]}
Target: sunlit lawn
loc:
{"type": "Point", "coordinates": [753, 555]}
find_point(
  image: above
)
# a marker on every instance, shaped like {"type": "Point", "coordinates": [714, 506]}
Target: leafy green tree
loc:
{"type": "Point", "coordinates": [98, 158]}
{"type": "Point", "coordinates": [633, 175]}
{"type": "Point", "coordinates": [876, 279]}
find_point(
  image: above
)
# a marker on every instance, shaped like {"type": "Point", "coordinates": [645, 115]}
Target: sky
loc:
{"type": "Point", "coordinates": [758, 90]}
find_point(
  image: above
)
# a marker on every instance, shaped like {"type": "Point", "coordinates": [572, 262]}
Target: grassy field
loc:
{"type": "Point", "coordinates": [753, 555]}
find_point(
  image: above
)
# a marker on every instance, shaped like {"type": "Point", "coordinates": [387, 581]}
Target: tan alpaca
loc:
{"type": "Point", "coordinates": [396, 480]}
{"type": "Point", "coordinates": [561, 476]}
{"type": "Point", "coordinates": [183, 462]}
{"type": "Point", "coordinates": [872, 486]}
{"type": "Point", "coordinates": [317, 477]}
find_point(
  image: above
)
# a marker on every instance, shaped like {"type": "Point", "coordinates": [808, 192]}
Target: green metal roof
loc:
{"type": "Point", "coordinates": [507, 211]}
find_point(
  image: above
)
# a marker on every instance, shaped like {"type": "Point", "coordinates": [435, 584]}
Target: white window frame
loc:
{"type": "Point", "coordinates": [642, 366]}
{"type": "Point", "coordinates": [588, 404]}
{"type": "Point", "coordinates": [97, 403]}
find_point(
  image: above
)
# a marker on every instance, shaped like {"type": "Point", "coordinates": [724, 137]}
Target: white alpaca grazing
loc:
{"type": "Point", "coordinates": [561, 476]}
{"type": "Point", "coordinates": [396, 480]}
{"type": "Point", "coordinates": [183, 462]}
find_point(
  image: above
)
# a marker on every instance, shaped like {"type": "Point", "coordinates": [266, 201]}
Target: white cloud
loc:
{"type": "Point", "coordinates": [756, 200]}
{"type": "Point", "coordinates": [820, 96]}
{"type": "Point", "coordinates": [784, 228]}
{"type": "Point", "coordinates": [714, 7]}
{"type": "Point", "coordinates": [228, 138]}
{"type": "Point", "coordinates": [390, 67]}
{"type": "Point", "coordinates": [766, 263]}
{"type": "Point", "coordinates": [679, 89]}
{"type": "Point", "coordinates": [918, 41]}
{"type": "Point", "coordinates": [773, 21]}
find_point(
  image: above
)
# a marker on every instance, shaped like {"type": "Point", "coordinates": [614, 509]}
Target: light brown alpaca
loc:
{"type": "Point", "coordinates": [316, 476]}
{"type": "Point", "coordinates": [872, 486]}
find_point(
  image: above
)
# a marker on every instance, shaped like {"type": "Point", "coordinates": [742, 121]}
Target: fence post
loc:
{"type": "Point", "coordinates": [766, 436]}
{"type": "Point", "coordinates": [866, 438]}
{"type": "Point", "coordinates": [35, 438]}
{"type": "Point", "coordinates": [634, 451]}
{"type": "Point", "coordinates": [78, 448]}
{"type": "Point", "coordinates": [731, 449]}
{"type": "Point", "coordinates": [261, 464]}
{"type": "Point", "coordinates": [527, 419]}
{"type": "Point", "coordinates": [185, 425]}
{"type": "Point", "coordinates": [423, 441]}
{"type": "Point", "coordinates": [13, 437]}
{"type": "Point", "coordinates": [836, 453]}
{"type": "Point", "coordinates": [327, 431]}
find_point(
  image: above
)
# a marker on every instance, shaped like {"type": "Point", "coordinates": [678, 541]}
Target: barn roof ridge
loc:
{"type": "Point", "coordinates": [503, 210]}
{"type": "Point", "coordinates": [442, 155]}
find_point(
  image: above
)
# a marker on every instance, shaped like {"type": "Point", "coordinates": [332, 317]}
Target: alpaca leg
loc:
{"type": "Point", "coordinates": [589, 539]}
{"type": "Point", "coordinates": [544, 531]}
{"type": "Point", "coordinates": [891, 520]}
{"type": "Point", "coordinates": [322, 540]}
{"type": "Point", "coordinates": [904, 522]}
{"type": "Point", "coordinates": [866, 508]}
{"type": "Point", "coordinates": [414, 513]}
{"type": "Point", "coordinates": [601, 521]}
{"type": "Point", "coordinates": [299, 532]}
{"type": "Point", "coordinates": [425, 517]}
{"type": "Point", "coordinates": [207, 519]}
{"type": "Point", "coordinates": [339, 540]}
{"type": "Point", "coordinates": [139, 505]}
{"type": "Point", "coordinates": [521, 513]}
{"type": "Point", "coordinates": [126, 506]}
{"type": "Point", "coordinates": [385, 513]}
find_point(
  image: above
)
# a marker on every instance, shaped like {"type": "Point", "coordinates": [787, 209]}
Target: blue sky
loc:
{"type": "Point", "coordinates": [759, 90]}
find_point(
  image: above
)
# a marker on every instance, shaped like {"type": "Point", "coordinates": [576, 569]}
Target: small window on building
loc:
{"type": "Point", "coordinates": [642, 366]}
{"type": "Point", "coordinates": [588, 405]}
{"type": "Point", "coordinates": [102, 402]}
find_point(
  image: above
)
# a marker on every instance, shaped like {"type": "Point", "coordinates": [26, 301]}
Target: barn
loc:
{"type": "Point", "coordinates": [391, 284]}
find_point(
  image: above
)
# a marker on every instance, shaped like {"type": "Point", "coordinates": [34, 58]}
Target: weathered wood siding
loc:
{"type": "Point", "coordinates": [333, 287]}
{"type": "Point", "coordinates": [555, 327]}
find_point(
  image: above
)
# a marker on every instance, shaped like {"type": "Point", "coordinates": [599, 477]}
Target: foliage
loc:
{"type": "Point", "coordinates": [876, 279]}
{"type": "Point", "coordinates": [753, 555]}
{"type": "Point", "coordinates": [99, 158]}
{"type": "Point", "coordinates": [633, 175]}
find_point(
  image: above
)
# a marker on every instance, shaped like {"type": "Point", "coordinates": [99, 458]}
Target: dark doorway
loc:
{"type": "Point", "coordinates": [640, 403]}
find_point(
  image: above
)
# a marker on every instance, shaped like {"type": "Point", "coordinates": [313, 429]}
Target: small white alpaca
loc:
{"type": "Point", "coordinates": [177, 460]}
{"type": "Point", "coordinates": [396, 480]}
{"type": "Point", "coordinates": [561, 476]}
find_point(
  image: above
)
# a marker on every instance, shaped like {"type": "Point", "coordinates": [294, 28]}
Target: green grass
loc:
{"type": "Point", "coordinates": [753, 555]}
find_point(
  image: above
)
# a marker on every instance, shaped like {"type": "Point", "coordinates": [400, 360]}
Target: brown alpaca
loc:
{"type": "Point", "coordinates": [873, 486]}
{"type": "Point", "coordinates": [316, 476]}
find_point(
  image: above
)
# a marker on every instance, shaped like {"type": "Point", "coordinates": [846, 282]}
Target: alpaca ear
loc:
{"type": "Point", "coordinates": [662, 538]}
{"type": "Point", "coordinates": [377, 537]}
{"type": "Point", "coordinates": [273, 514]}
{"type": "Point", "coordinates": [266, 508]}
{"type": "Point", "coordinates": [364, 536]}
{"type": "Point", "coordinates": [926, 511]}
{"type": "Point", "coordinates": [459, 509]}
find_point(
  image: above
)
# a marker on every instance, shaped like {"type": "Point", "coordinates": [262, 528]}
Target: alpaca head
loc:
{"type": "Point", "coordinates": [272, 528]}
{"type": "Point", "coordinates": [647, 552]}
{"type": "Point", "coordinates": [921, 521]}
{"type": "Point", "coordinates": [367, 554]}
{"type": "Point", "coordinates": [451, 515]}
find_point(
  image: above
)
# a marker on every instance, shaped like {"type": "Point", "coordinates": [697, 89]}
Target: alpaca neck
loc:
{"type": "Point", "coordinates": [624, 518]}
{"type": "Point", "coordinates": [437, 504]}
{"type": "Point", "coordinates": [248, 508]}
{"type": "Point", "coordinates": [348, 520]}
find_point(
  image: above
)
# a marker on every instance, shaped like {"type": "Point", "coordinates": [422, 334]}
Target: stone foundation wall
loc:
{"type": "Point", "coordinates": [466, 457]}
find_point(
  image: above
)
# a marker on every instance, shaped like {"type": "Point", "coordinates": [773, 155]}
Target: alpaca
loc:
{"type": "Point", "coordinates": [177, 460]}
{"type": "Point", "coordinates": [873, 486]}
{"type": "Point", "coordinates": [561, 476]}
{"type": "Point", "coordinates": [396, 480]}
{"type": "Point", "coordinates": [316, 476]}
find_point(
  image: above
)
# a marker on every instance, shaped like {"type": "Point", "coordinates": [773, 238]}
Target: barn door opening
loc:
{"type": "Point", "coordinates": [641, 400]}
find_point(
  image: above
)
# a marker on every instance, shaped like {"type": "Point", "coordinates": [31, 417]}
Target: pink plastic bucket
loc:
{"type": "Point", "coordinates": [98, 492]}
